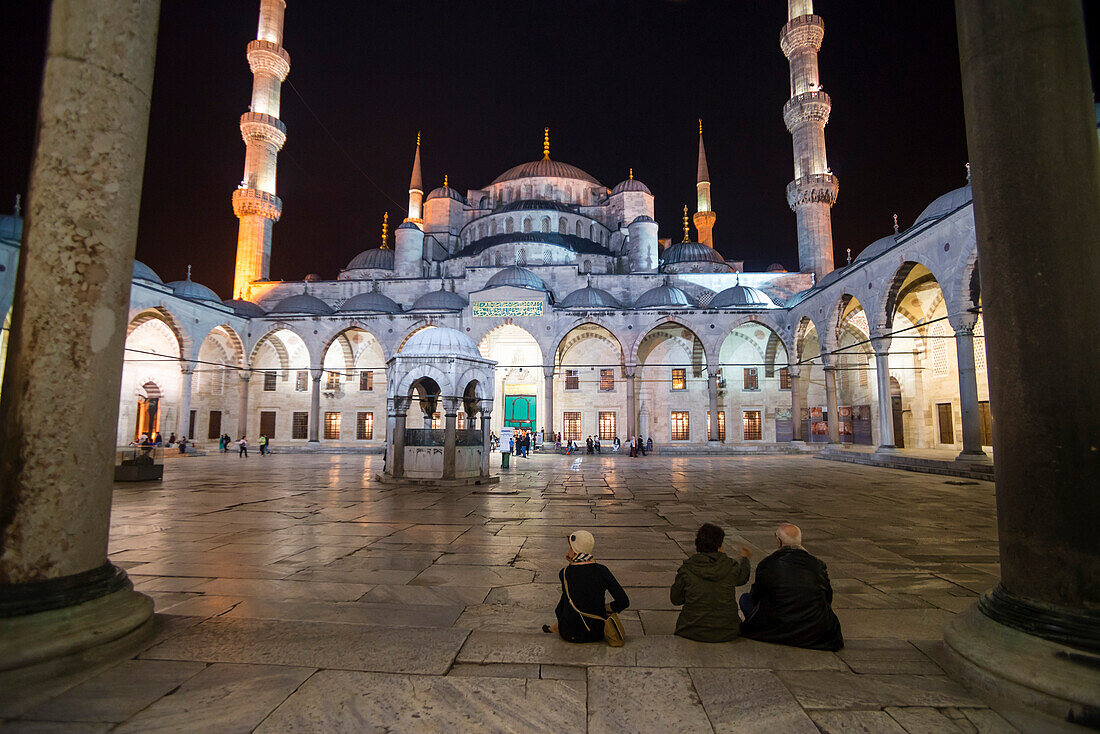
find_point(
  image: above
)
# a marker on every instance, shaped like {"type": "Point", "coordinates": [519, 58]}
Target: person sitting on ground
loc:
{"type": "Point", "coordinates": [584, 586]}
{"type": "Point", "coordinates": [790, 602]}
{"type": "Point", "coordinates": [706, 585]}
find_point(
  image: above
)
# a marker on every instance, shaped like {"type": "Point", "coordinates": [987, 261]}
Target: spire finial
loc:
{"type": "Point", "coordinates": [968, 171]}
{"type": "Point", "coordinates": [849, 255]}
{"type": "Point", "coordinates": [19, 198]}
{"type": "Point", "coordinates": [444, 180]}
{"type": "Point", "coordinates": [385, 229]}
{"type": "Point", "coordinates": [700, 125]}
{"type": "Point", "coordinates": [189, 272]}
{"type": "Point", "coordinates": [417, 138]}
{"type": "Point", "coordinates": [687, 234]}
{"type": "Point", "coordinates": [546, 143]}
{"type": "Point", "coordinates": [895, 224]}
{"type": "Point", "coordinates": [631, 174]}
{"type": "Point", "coordinates": [589, 283]}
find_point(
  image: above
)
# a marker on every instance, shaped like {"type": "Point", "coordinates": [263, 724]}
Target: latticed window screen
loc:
{"type": "Point", "coordinates": [607, 426]}
{"type": "Point", "coordinates": [269, 381]}
{"type": "Point", "coordinates": [721, 426]}
{"type": "Point", "coordinates": [364, 426]}
{"type": "Point", "coordinates": [979, 347]}
{"type": "Point", "coordinates": [607, 380]}
{"type": "Point", "coordinates": [680, 429]}
{"type": "Point", "coordinates": [752, 378]}
{"type": "Point", "coordinates": [572, 380]}
{"type": "Point", "coordinates": [752, 426]}
{"type": "Point", "coordinates": [301, 381]}
{"type": "Point", "coordinates": [333, 381]}
{"type": "Point", "coordinates": [940, 343]}
{"type": "Point", "coordinates": [437, 421]}
{"type": "Point", "coordinates": [332, 425]}
{"type": "Point", "coordinates": [299, 425]}
{"type": "Point", "coordinates": [679, 378]}
{"type": "Point", "coordinates": [460, 423]}
{"type": "Point", "coordinates": [864, 368]}
{"type": "Point", "coordinates": [572, 423]}
{"type": "Point", "coordinates": [784, 378]}
{"type": "Point", "coordinates": [366, 380]}
{"type": "Point", "coordinates": [706, 298]}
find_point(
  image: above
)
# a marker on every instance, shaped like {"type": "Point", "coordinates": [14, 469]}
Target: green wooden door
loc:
{"type": "Point", "coordinates": [519, 411]}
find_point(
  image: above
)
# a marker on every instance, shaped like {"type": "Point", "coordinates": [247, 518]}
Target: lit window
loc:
{"type": "Point", "coordinates": [333, 382]}
{"type": "Point", "coordinates": [752, 426]}
{"type": "Point", "coordinates": [437, 421]}
{"type": "Point", "coordinates": [332, 425]}
{"type": "Point", "coordinates": [679, 378]}
{"type": "Point", "coordinates": [572, 423]}
{"type": "Point", "coordinates": [752, 379]}
{"type": "Point", "coordinates": [680, 429]}
{"type": "Point", "coordinates": [784, 378]}
{"type": "Point", "coordinates": [299, 425]}
{"type": "Point", "coordinates": [461, 423]}
{"type": "Point", "coordinates": [607, 380]}
{"type": "Point", "coordinates": [366, 380]}
{"type": "Point", "coordinates": [269, 382]}
{"type": "Point", "coordinates": [607, 426]}
{"type": "Point", "coordinates": [721, 426]}
{"type": "Point", "coordinates": [301, 381]}
{"type": "Point", "coordinates": [572, 380]}
{"type": "Point", "coordinates": [364, 426]}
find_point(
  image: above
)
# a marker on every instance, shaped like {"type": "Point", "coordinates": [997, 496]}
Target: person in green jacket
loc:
{"type": "Point", "coordinates": [706, 585]}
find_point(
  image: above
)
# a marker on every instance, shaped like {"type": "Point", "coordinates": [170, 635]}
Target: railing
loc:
{"type": "Point", "coordinates": [270, 47]}
{"type": "Point", "coordinates": [264, 119]}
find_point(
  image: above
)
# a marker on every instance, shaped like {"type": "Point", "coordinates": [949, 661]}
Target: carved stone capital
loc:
{"type": "Point", "coordinates": [264, 128]}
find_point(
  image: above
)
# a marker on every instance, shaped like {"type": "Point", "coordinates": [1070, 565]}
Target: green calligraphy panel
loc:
{"type": "Point", "coordinates": [498, 309]}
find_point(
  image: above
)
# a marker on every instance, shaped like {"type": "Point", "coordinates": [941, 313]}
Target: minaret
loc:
{"type": "Point", "coordinates": [416, 189]}
{"type": "Point", "coordinates": [254, 201]}
{"type": "Point", "coordinates": [704, 215]}
{"type": "Point", "coordinates": [813, 191]}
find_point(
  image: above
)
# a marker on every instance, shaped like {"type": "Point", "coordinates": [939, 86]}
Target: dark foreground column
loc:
{"type": "Point", "coordinates": [58, 593]}
{"type": "Point", "coordinates": [450, 418]}
{"type": "Point", "coordinates": [1031, 131]}
{"type": "Point", "coordinates": [796, 402]}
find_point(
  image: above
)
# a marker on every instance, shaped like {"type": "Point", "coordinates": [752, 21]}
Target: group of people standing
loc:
{"type": "Point", "coordinates": [789, 603]}
{"type": "Point", "coordinates": [242, 445]}
{"type": "Point", "coordinates": [640, 448]}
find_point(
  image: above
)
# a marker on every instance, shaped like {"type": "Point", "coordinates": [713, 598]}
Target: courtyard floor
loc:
{"type": "Point", "coordinates": [295, 593]}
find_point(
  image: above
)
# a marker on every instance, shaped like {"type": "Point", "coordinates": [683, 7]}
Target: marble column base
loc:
{"type": "Point", "coordinates": [974, 457]}
{"type": "Point", "coordinates": [1023, 670]}
{"type": "Point", "coordinates": [31, 639]}
{"type": "Point", "coordinates": [429, 482]}
{"type": "Point", "coordinates": [887, 450]}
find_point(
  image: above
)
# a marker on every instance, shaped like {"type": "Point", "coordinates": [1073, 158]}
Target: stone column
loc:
{"type": "Point", "coordinates": [60, 594]}
{"type": "Point", "coordinates": [881, 345]}
{"type": "Point", "coordinates": [486, 429]}
{"type": "Point", "coordinates": [397, 459]}
{"type": "Point", "coordinates": [450, 416]}
{"type": "Point", "coordinates": [187, 371]}
{"type": "Point", "coordinates": [796, 403]}
{"type": "Point", "coordinates": [242, 407]}
{"type": "Point", "coordinates": [548, 391]}
{"type": "Point", "coordinates": [631, 401]}
{"type": "Point", "coordinates": [968, 394]}
{"type": "Point", "coordinates": [712, 389]}
{"type": "Point", "coordinates": [831, 401]}
{"type": "Point", "coordinates": [315, 405]}
{"type": "Point", "coordinates": [1031, 132]}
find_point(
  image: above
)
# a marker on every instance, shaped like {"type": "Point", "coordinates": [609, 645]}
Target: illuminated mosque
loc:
{"type": "Point", "coordinates": [548, 300]}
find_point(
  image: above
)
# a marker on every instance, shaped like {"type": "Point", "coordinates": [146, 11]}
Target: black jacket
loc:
{"type": "Point", "coordinates": [793, 600]}
{"type": "Point", "coordinates": [706, 585]}
{"type": "Point", "coordinates": [588, 585]}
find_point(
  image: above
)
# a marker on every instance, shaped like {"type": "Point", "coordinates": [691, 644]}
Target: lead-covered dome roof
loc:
{"type": "Point", "coordinates": [590, 298]}
{"type": "Point", "coordinates": [742, 296]}
{"type": "Point", "coordinates": [631, 184]}
{"type": "Point", "coordinates": [440, 300]}
{"type": "Point", "coordinates": [545, 168]}
{"type": "Point", "coordinates": [372, 302]}
{"type": "Point", "coordinates": [439, 341]}
{"type": "Point", "coordinates": [691, 252]}
{"type": "Point", "coordinates": [665, 295]}
{"type": "Point", "coordinates": [303, 303]}
{"type": "Point", "coordinates": [946, 204]}
{"type": "Point", "coordinates": [144, 272]}
{"type": "Point", "coordinates": [245, 309]}
{"type": "Point", "coordinates": [446, 192]}
{"type": "Point", "coordinates": [517, 277]}
{"type": "Point", "coordinates": [193, 291]}
{"type": "Point", "coordinates": [376, 259]}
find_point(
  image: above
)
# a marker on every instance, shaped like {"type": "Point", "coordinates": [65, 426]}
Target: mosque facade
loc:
{"type": "Point", "coordinates": [596, 324]}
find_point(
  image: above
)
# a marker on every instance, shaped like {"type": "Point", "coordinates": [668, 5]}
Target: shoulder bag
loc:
{"type": "Point", "coordinates": [613, 632]}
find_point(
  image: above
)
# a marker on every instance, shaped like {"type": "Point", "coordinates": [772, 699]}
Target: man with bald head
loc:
{"type": "Point", "coordinates": [790, 600]}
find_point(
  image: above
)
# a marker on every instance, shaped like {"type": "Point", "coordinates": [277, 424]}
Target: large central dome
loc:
{"type": "Point", "coordinates": [545, 168]}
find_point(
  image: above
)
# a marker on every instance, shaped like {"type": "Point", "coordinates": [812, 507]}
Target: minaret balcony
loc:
{"type": "Point", "coordinates": [262, 127]}
{"type": "Point", "coordinates": [248, 202]}
{"type": "Point", "coordinates": [816, 188]}
{"type": "Point", "coordinates": [265, 56]}
{"type": "Point", "coordinates": [805, 31]}
{"type": "Point", "coordinates": [808, 106]}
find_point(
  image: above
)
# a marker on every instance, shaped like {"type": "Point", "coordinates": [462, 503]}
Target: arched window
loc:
{"type": "Point", "coordinates": [586, 266]}
{"type": "Point", "coordinates": [523, 256]}
{"type": "Point", "coordinates": [527, 224]}
{"type": "Point", "coordinates": [493, 227]}
{"type": "Point", "coordinates": [578, 228]}
{"type": "Point", "coordinates": [547, 256]}
{"type": "Point", "coordinates": [509, 227]}
{"type": "Point", "coordinates": [546, 224]}
{"type": "Point", "coordinates": [563, 226]}
{"type": "Point", "coordinates": [592, 231]}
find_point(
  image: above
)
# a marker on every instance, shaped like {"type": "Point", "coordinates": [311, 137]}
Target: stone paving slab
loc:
{"type": "Point", "coordinates": [635, 699]}
{"type": "Point", "coordinates": [829, 690]}
{"type": "Point", "coordinates": [746, 702]}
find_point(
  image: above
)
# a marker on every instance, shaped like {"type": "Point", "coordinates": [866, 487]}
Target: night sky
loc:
{"type": "Point", "coordinates": [620, 84]}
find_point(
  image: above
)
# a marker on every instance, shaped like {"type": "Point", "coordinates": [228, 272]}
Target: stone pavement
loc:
{"type": "Point", "coordinates": [297, 594]}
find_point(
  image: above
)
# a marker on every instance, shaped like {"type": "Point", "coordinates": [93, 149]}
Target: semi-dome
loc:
{"type": "Point", "coordinates": [372, 302]}
{"type": "Point", "coordinates": [545, 168]}
{"type": "Point", "coordinates": [144, 272]}
{"type": "Point", "coordinates": [589, 298]}
{"type": "Point", "coordinates": [446, 192]}
{"type": "Point", "coordinates": [946, 204]}
{"type": "Point", "coordinates": [245, 309]}
{"type": "Point", "coordinates": [439, 341]}
{"type": "Point", "coordinates": [631, 184]}
{"type": "Point", "coordinates": [440, 300]}
{"type": "Point", "coordinates": [303, 303]}
{"type": "Point", "coordinates": [691, 252]}
{"type": "Point", "coordinates": [194, 291]}
{"type": "Point", "coordinates": [742, 296]}
{"type": "Point", "coordinates": [516, 277]}
{"type": "Point", "coordinates": [665, 296]}
{"type": "Point", "coordinates": [376, 259]}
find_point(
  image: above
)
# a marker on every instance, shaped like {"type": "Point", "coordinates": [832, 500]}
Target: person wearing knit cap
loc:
{"type": "Point", "coordinates": [587, 583]}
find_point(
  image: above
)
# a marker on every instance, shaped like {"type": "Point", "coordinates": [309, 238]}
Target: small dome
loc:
{"type": "Point", "coordinates": [303, 303]}
{"type": "Point", "coordinates": [588, 298]}
{"type": "Point", "coordinates": [643, 218]}
{"type": "Point", "coordinates": [665, 296]}
{"type": "Point", "coordinates": [245, 309]}
{"type": "Point", "coordinates": [312, 278]}
{"type": "Point", "coordinates": [544, 168]}
{"type": "Point", "coordinates": [440, 300]}
{"type": "Point", "coordinates": [372, 302]}
{"type": "Point", "coordinates": [376, 259]}
{"type": "Point", "coordinates": [144, 272]}
{"type": "Point", "coordinates": [776, 268]}
{"type": "Point", "coordinates": [194, 291]}
{"type": "Point", "coordinates": [631, 184]}
{"type": "Point", "coordinates": [516, 277]}
{"type": "Point", "coordinates": [407, 225]}
{"type": "Point", "coordinates": [946, 204]}
{"type": "Point", "coordinates": [877, 247]}
{"type": "Point", "coordinates": [742, 296]}
{"type": "Point", "coordinates": [691, 252]}
{"type": "Point", "coordinates": [11, 228]}
{"type": "Point", "coordinates": [446, 192]}
{"type": "Point", "coordinates": [439, 341]}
